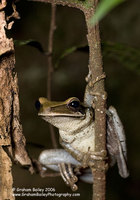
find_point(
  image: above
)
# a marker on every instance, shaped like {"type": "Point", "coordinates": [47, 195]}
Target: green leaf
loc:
{"type": "Point", "coordinates": [32, 43]}
{"type": "Point", "coordinates": [127, 56]}
{"type": "Point", "coordinates": [103, 8]}
{"type": "Point", "coordinates": [68, 52]}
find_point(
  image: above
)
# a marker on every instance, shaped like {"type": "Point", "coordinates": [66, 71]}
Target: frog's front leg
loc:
{"type": "Point", "coordinates": [61, 161]}
{"type": "Point", "coordinates": [75, 153]}
{"type": "Point", "coordinates": [86, 159]}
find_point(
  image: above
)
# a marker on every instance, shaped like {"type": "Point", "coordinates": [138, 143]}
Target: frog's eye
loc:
{"type": "Point", "coordinates": [74, 104]}
{"type": "Point", "coordinates": [37, 104]}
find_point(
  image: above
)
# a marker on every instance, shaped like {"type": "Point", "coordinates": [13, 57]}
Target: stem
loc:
{"type": "Point", "coordinates": [50, 50]}
{"type": "Point", "coordinates": [50, 66]}
{"type": "Point", "coordinates": [96, 90]}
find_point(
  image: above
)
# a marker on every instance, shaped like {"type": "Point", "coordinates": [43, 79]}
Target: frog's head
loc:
{"type": "Point", "coordinates": [65, 115]}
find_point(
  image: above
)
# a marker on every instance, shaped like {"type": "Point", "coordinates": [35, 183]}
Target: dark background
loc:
{"type": "Point", "coordinates": [122, 25]}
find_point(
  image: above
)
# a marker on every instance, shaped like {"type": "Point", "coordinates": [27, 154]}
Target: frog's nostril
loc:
{"type": "Point", "coordinates": [37, 104]}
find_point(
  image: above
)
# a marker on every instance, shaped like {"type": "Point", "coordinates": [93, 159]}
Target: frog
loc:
{"type": "Point", "coordinates": [76, 123]}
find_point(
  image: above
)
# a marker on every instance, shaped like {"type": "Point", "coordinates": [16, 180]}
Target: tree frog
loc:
{"type": "Point", "coordinates": [75, 121]}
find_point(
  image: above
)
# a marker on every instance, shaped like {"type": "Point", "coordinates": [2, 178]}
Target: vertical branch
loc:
{"type": "Point", "coordinates": [50, 50]}
{"type": "Point", "coordinates": [50, 65]}
{"type": "Point", "coordinates": [95, 89]}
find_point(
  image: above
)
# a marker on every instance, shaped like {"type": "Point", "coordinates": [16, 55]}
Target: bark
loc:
{"type": "Point", "coordinates": [12, 141]}
{"type": "Point", "coordinates": [95, 89]}
{"type": "Point", "coordinates": [6, 180]}
{"type": "Point", "coordinates": [6, 46]}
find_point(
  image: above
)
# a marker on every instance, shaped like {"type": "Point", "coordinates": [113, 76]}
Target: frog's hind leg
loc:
{"type": "Point", "coordinates": [116, 142]}
{"type": "Point", "coordinates": [61, 161]}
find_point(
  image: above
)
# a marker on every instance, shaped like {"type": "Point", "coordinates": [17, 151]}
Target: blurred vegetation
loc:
{"type": "Point", "coordinates": [103, 8]}
{"type": "Point", "coordinates": [120, 32]}
{"type": "Point", "coordinates": [126, 55]}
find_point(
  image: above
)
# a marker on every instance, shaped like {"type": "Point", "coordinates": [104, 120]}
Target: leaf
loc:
{"type": "Point", "coordinates": [127, 56]}
{"type": "Point", "coordinates": [68, 52]}
{"type": "Point", "coordinates": [103, 8]}
{"type": "Point", "coordinates": [32, 43]}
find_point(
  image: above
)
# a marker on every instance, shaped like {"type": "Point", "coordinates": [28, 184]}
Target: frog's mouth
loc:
{"type": "Point", "coordinates": [75, 115]}
{"type": "Point", "coordinates": [69, 108]}
{"type": "Point", "coordinates": [60, 111]}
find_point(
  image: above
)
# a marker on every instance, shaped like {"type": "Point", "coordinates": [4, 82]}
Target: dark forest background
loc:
{"type": "Point", "coordinates": [120, 33]}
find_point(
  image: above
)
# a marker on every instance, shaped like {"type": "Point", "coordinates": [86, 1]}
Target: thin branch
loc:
{"type": "Point", "coordinates": [95, 89]}
{"type": "Point", "coordinates": [50, 50]}
{"type": "Point", "coordinates": [53, 137]}
{"type": "Point", "coordinates": [42, 172]}
{"type": "Point", "coordinates": [50, 66]}
{"type": "Point", "coordinates": [70, 3]}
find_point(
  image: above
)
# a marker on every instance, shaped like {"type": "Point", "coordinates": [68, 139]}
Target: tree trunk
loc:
{"type": "Point", "coordinates": [12, 141]}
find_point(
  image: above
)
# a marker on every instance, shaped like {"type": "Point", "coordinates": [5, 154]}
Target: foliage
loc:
{"type": "Point", "coordinates": [29, 42]}
{"type": "Point", "coordinates": [103, 8]}
{"type": "Point", "coordinates": [126, 55]}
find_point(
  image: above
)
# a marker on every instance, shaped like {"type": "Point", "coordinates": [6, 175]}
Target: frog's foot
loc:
{"type": "Point", "coordinates": [91, 82]}
{"type": "Point", "coordinates": [90, 158]}
{"type": "Point", "coordinates": [102, 155]}
{"type": "Point", "coordinates": [68, 176]}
